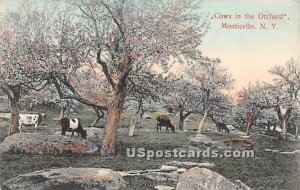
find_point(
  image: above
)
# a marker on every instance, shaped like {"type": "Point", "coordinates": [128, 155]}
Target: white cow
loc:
{"type": "Point", "coordinates": [33, 119]}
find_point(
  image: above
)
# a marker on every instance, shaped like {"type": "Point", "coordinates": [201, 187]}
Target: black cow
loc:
{"type": "Point", "coordinates": [222, 127]}
{"type": "Point", "coordinates": [72, 125]}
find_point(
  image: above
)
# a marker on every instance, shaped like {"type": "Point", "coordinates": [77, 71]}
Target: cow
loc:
{"type": "Point", "coordinates": [163, 120]}
{"type": "Point", "coordinates": [72, 125]}
{"type": "Point", "coordinates": [222, 127]}
{"type": "Point", "coordinates": [33, 119]}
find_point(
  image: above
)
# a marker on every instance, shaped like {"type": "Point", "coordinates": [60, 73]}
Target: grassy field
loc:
{"type": "Point", "coordinates": [265, 171]}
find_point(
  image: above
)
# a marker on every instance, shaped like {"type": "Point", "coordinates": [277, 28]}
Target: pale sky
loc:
{"type": "Point", "coordinates": [248, 54]}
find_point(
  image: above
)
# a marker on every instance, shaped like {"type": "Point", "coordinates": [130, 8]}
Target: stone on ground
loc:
{"type": "Point", "coordinates": [201, 140]}
{"type": "Point", "coordinates": [189, 164]}
{"type": "Point", "coordinates": [241, 143]}
{"type": "Point", "coordinates": [163, 187]}
{"type": "Point", "coordinates": [205, 179]}
{"type": "Point", "coordinates": [35, 143]}
{"type": "Point", "coordinates": [181, 170]}
{"type": "Point", "coordinates": [94, 132]}
{"type": "Point", "coordinates": [234, 143]}
{"type": "Point", "coordinates": [156, 175]}
{"type": "Point", "coordinates": [68, 178]}
{"type": "Point", "coordinates": [230, 127]}
{"type": "Point", "coordinates": [168, 168]}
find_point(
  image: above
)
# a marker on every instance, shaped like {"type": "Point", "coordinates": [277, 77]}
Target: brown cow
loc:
{"type": "Point", "coordinates": [163, 120]}
{"type": "Point", "coordinates": [72, 125]}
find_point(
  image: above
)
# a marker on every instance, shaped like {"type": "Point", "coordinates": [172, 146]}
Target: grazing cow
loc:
{"type": "Point", "coordinates": [72, 125]}
{"type": "Point", "coordinates": [33, 119]}
{"type": "Point", "coordinates": [222, 127]}
{"type": "Point", "coordinates": [163, 120]}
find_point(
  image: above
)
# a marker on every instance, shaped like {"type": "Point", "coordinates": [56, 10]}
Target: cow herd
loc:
{"type": "Point", "coordinates": [74, 125]}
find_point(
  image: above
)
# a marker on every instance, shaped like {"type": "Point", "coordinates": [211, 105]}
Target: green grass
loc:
{"type": "Point", "coordinates": [265, 171]}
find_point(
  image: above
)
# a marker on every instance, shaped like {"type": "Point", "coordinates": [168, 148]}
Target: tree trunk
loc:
{"type": "Point", "coordinates": [249, 123]}
{"type": "Point", "coordinates": [114, 114]}
{"type": "Point", "coordinates": [14, 118]}
{"type": "Point", "coordinates": [296, 131]}
{"type": "Point", "coordinates": [99, 115]}
{"type": "Point", "coordinates": [181, 121]}
{"type": "Point", "coordinates": [62, 112]}
{"type": "Point", "coordinates": [249, 127]}
{"type": "Point", "coordinates": [182, 118]}
{"type": "Point", "coordinates": [14, 93]}
{"type": "Point", "coordinates": [283, 117]}
{"type": "Point", "coordinates": [201, 125]}
{"type": "Point", "coordinates": [284, 129]}
{"type": "Point", "coordinates": [68, 108]}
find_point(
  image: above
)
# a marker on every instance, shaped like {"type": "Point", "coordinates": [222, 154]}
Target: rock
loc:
{"type": "Point", "coordinates": [240, 143]}
{"type": "Point", "coordinates": [201, 140]}
{"type": "Point", "coordinates": [268, 150]}
{"type": "Point", "coordinates": [204, 179]}
{"type": "Point", "coordinates": [67, 178]}
{"type": "Point", "coordinates": [95, 132]}
{"type": "Point", "coordinates": [140, 172]}
{"type": "Point", "coordinates": [35, 143]}
{"type": "Point", "coordinates": [241, 185]}
{"type": "Point", "coordinates": [155, 175]}
{"type": "Point", "coordinates": [161, 176]}
{"type": "Point", "coordinates": [230, 127]}
{"type": "Point", "coordinates": [147, 117]}
{"type": "Point", "coordinates": [5, 116]}
{"type": "Point", "coordinates": [163, 187]}
{"type": "Point", "coordinates": [219, 144]}
{"type": "Point", "coordinates": [181, 170]}
{"type": "Point", "coordinates": [165, 168]}
{"type": "Point", "coordinates": [240, 133]}
{"type": "Point", "coordinates": [189, 164]}
{"type": "Point", "coordinates": [245, 136]}
{"type": "Point", "coordinates": [292, 152]}
{"type": "Point", "coordinates": [275, 151]}
{"type": "Point", "coordinates": [286, 153]}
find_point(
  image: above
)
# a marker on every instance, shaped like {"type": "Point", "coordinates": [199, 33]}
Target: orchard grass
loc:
{"type": "Point", "coordinates": [265, 171]}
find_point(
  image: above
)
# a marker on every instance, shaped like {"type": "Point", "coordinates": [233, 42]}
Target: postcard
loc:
{"type": "Point", "coordinates": [149, 94]}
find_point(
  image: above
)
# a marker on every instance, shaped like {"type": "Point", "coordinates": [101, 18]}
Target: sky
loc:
{"type": "Point", "coordinates": [248, 54]}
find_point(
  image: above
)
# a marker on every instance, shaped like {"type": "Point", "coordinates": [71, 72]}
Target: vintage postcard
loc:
{"type": "Point", "coordinates": [149, 94]}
